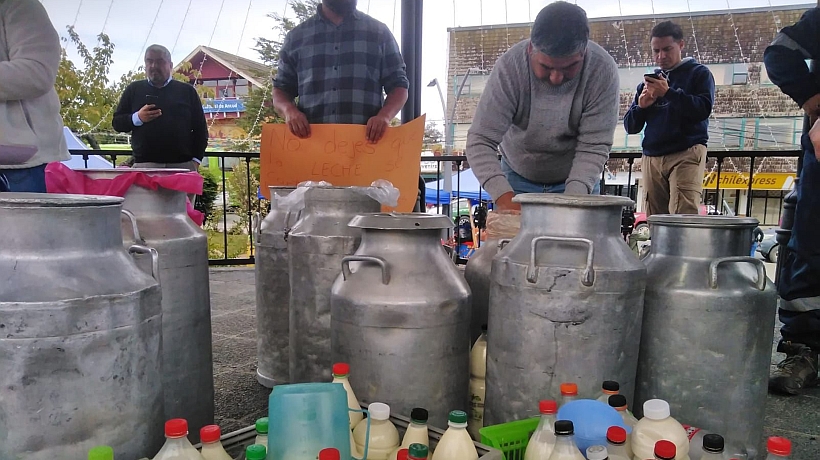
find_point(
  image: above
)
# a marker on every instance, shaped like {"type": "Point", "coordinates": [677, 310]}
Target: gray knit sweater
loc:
{"type": "Point", "coordinates": [547, 134]}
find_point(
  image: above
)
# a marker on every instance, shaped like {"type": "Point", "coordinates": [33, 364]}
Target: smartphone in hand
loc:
{"type": "Point", "coordinates": [152, 100]}
{"type": "Point", "coordinates": [652, 75]}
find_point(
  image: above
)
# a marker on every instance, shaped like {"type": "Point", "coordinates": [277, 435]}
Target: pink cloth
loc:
{"type": "Point", "coordinates": [62, 179]}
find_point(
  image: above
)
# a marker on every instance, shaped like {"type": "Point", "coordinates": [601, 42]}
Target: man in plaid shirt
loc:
{"type": "Point", "coordinates": [340, 63]}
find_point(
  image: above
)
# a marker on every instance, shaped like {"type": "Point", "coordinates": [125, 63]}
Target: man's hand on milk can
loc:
{"type": "Point", "coordinates": [505, 203]}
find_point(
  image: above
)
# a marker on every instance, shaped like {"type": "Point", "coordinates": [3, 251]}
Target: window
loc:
{"type": "Point", "coordinates": [740, 74]}
{"type": "Point", "coordinates": [209, 83]}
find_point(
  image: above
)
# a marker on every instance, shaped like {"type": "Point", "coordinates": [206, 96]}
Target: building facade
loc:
{"type": "Point", "coordinates": [750, 113]}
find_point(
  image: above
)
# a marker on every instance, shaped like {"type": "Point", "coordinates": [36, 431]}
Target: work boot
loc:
{"type": "Point", "coordinates": [797, 371]}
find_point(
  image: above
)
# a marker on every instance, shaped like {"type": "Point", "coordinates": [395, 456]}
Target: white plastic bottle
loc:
{"type": "Point", "coordinates": [617, 444]}
{"type": "Point", "coordinates": [456, 443]}
{"type": "Point", "coordinates": [565, 447]}
{"type": "Point", "coordinates": [416, 432]}
{"type": "Point", "coordinates": [608, 388]}
{"type": "Point", "coordinates": [211, 445]}
{"type": "Point", "coordinates": [657, 424]}
{"type": "Point", "coordinates": [618, 402]}
{"type": "Point", "coordinates": [696, 438]}
{"type": "Point", "coordinates": [542, 441]}
{"type": "Point", "coordinates": [569, 392]}
{"type": "Point", "coordinates": [665, 450]}
{"type": "Point", "coordinates": [778, 448]}
{"type": "Point", "coordinates": [384, 437]}
{"type": "Point", "coordinates": [478, 370]}
{"type": "Point", "coordinates": [341, 372]}
{"type": "Point", "coordinates": [262, 432]}
{"type": "Point", "coordinates": [177, 446]}
{"type": "Point", "coordinates": [597, 453]}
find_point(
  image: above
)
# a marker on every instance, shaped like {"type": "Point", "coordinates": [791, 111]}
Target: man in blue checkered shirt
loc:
{"type": "Point", "coordinates": [339, 64]}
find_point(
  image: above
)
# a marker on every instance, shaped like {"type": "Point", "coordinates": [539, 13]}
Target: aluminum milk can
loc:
{"type": "Point", "coordinates": [566, 299]}
{"type": "Point", "coordinates": [316, 245]}
{"type": "Point", "coordinates": [708, 326]}
{"type": "Point", "coordinates": [273, 292]}
{"type": "Point", "coordinates": [80, 331]}
{"type": "Point", "coordinates": [477, 274]}
{"type": "Point", "coordinates": [158, 218]}
{"type": "Point", "coordinates": [401, 316]}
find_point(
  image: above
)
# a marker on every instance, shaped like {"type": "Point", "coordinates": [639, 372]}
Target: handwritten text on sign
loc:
{"type": "Point", "coordinates": [341, 155]}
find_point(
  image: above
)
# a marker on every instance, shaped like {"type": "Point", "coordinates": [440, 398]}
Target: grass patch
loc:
{"type": "Point", "coordinates": [238, 245]}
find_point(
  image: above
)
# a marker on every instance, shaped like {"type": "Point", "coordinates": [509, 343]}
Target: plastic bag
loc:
{"type": "Point", "coordinates": [502, 224]}
{"type": "Point", "coordinates": [380, 190]}
{"type": "Point", "coordinates": [62, 179]}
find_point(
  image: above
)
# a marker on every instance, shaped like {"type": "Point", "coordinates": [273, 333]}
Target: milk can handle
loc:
{"type": "Point", "coordinates": [372, 259]}
{"type": "Point", "coordinates": [257, 224]}
{"type": "Point", "coordinates": [503, 242]}
{"type": "Point", "coordinates": [139, 249]}
{"type": "Point", "coordinates": [134, 228]}
{"type": "Point", "coordinates": [761, 270]}
{"type": "Point", "coordinates": [588, 278]}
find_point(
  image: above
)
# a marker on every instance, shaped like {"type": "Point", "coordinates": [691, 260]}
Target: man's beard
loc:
{"type": "Point", "coordinates": [342, 7]}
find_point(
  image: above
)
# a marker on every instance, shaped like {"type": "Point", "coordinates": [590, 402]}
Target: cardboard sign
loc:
{"type": "Point", "coordinates": [341, 155]}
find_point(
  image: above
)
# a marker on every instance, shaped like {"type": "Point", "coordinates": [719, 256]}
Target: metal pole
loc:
{"type": "Point", "coordinates": [449, 141]}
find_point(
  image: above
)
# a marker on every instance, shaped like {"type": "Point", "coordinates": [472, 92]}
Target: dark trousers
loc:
{"type": "Point", "coordinates": [24, 180]}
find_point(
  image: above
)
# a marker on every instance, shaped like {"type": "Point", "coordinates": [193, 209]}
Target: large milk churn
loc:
{"type": "Point", "coordinates": [316, 245]}
{"type": "Point", "coordinates": [401, 316]}
{"type": "Point", "coordinates": [708, 326]}
{"type": "Point", "coordinates": [80, 332]}
{"type": "Point", "coordinates": [158, 218]}
{"type": "Point", "coordinates": [273, 291]}
{"type": "Point", "coordinates": [566, 298]}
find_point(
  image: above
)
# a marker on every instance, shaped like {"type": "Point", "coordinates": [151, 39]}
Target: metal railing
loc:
{"type": "Point", "coordinates": [251, 204]}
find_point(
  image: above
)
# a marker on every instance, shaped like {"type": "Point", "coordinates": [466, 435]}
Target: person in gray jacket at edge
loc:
{"type": "Point", "coordinates": [551, 107]}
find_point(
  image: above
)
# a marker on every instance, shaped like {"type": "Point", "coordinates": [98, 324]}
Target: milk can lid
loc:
{"type": "Point", "coordinates": [379, 411]}
{"type": "Point", "coordinates": [597, 453]}
{"type": "Point", "coordinates": [560, 199]}
{"type": "Point", "coordinates": [656, 409]}
{"type": "Point", "coordinates": [401, 221]}
{"type": "Point", "coordinates": [55, 200]}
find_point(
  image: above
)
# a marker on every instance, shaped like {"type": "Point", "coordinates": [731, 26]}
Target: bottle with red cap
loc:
{"type": "Point", "coordinates": [569, 392]}
{"type": "Point", "coordinates": [778, 448]}
{"type": "Point", "coordinates": [542, 441]}
{"type": "Point", "coordinates": [617, 444]}
{"type": "Point", "coordinates": [665, 450]}
{"type": "Point", "coordinates": [341, 372]}
{"type": "Point", "coordinates": [658, 424]}
{"type": "Point", "coordinates": [177, 446]}
{"type": "Point", "coordinates": [329, 454]}
{"type": "Point", "coordinates": [211, 445]}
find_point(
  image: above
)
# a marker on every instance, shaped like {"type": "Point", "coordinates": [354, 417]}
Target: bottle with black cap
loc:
{"type": "Point", "coordinates": [608, 388]}
{"type": "Point", "coordinates": [712, 447]}
{"type": "Point", "coordinates": [618, 402]}
{"type": "Point", "coordinates": [416, 431]}
{"type": "Point", "coordinates": [565, 447]}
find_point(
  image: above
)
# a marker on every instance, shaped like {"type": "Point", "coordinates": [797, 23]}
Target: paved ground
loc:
{"type": "Point", "coordinates": [240, 400]}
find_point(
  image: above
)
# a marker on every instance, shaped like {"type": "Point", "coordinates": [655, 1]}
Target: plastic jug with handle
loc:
{"type": "Point", "coordinates": [308, 417]}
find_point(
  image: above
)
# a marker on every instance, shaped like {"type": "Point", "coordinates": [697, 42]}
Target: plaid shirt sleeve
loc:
{"type": "Point", "coordinates": [286, 78]}
{"type": "Point", "coordinates": [394, 74]}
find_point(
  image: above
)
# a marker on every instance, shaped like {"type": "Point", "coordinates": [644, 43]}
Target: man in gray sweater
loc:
{"type": "Point", "coordinates": [551, 107]}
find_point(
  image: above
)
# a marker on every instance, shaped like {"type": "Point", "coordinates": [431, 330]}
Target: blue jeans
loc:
{"type": "Point", "coordinates": [25, 180]}
{"type": "Point", "coordinates": [520, 184]}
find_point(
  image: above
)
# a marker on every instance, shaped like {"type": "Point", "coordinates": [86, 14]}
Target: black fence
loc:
{"type": "Point", "coordinates": [230, 222]}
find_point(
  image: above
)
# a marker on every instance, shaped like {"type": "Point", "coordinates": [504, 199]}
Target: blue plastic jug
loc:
{"type": "Point", "coordinates": [306, 418]}
{"type": "Point", "coordinates": [591, 419]}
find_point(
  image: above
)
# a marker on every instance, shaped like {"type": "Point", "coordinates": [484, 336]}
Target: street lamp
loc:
{"type": "Point", "coordinates": [449, 128]}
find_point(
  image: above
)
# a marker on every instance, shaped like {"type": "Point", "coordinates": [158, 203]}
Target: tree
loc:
{"type": "Point", "coordinates": [432, 135]}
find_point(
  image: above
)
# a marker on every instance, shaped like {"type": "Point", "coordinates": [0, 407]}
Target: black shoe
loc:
{"type": "Point", "coordinates": [797, 371]}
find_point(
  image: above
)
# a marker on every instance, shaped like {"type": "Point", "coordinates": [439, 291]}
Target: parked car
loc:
{"type": "Point", "coordinates": [768, 248]}
{"type": "Point", "coordinates": [642, 226]}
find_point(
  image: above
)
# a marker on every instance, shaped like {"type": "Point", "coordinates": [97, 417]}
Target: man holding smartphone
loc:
{"type": "Point", "coordinates": [164, 116]}
{"type": "Point", "coordinates": [673, 104]}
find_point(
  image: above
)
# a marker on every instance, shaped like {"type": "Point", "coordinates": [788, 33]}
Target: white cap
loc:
{"type": "Point", "coordinates": [597, 453]}
{"type": "Point", "coordinates": [379, 411]}
{"type": "Point", "coordinates": [656, 409]}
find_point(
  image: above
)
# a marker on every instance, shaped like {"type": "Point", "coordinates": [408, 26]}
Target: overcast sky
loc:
{"type": "Point", "coordinates": [182, 25]}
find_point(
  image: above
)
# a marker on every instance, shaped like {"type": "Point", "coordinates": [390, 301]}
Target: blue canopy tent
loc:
{"type": "Point", "coordinates": [77, 161]}
{"type": "Point", "coordinates": [465, 185]}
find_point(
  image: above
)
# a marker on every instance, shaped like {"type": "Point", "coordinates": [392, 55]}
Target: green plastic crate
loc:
{"type": "Point", "coordinates": [510, 438]}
